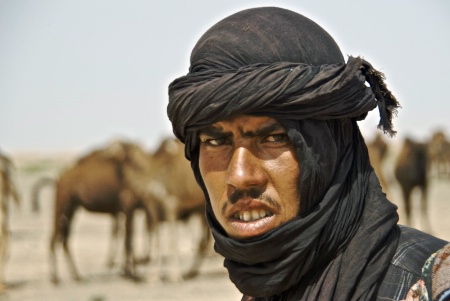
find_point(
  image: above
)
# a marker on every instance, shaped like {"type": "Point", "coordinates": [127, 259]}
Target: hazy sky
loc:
{"type": "Point", "coordinates": [75, 74]}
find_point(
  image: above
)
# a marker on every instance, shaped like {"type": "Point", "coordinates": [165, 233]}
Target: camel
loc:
{"type": "Point", "coordinates": [7, 190]}
{"type": "Point", "coordinates": [411, 172]}
{"type": "Point", "coordinates": [177, 182]}
{"type": "Point", "coordinates": [120, 179]}
{"type": "Point", "coordinates": [439, 155]}
{"type": "Point", "coordinates": [49, 181]}
{"type": "Point", "coordinates": [109, 180]}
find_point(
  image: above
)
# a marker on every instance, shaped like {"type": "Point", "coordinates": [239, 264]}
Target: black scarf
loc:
{"type": "Point", "coordinates": [273, 62]}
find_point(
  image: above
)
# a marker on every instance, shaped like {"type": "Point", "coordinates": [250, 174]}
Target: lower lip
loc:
{"type": "Point", "coordinates": [242, 229]}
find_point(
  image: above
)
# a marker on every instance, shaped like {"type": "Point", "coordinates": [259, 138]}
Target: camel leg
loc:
{"type": "Point", "coordinates": [3, 257]}
{"type": "Point", "coordinates": [202, 249]}
{"type": "Point", "coordinates": [150, 224]}
{"type": "Point", "coordinates": [61, 232]}
{"type": "Point", "coordinates": [53, 264]}
{"type": "Point", "coordinates": [129, 267]}
{"type": "Point", "coordinates": [113, 241]}
{"type": "Point", "coordinates": [71, 263]}
{"type": "Point", "coordinates": [170, 241]}
{"type": "Point", "coordinates": [65, 233]}
{"type": "Point", "coordinates": [407, 203]}
{"type": "Point", "coordinates": [155, 246]}
{"type": "Point", "coordinates": [129, 204]}
{"type": "Point", "coordinates": [4, 243]}
{"type": "Point", "coordinates": [175, 273]}
{"type": "Point", "coordinates": [424, 210]}
{"type": "Point", "coordinates": [148, 229]}
{"type": "Point", "coordinates": [62, 237]}
{"type": "Point", "coordinates": [55, 239]}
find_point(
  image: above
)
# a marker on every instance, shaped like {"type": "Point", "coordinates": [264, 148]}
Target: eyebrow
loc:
{"type": "Point", "coordinates": [214, 131]}
{"type": "Point", "coordinates": [262, 131]}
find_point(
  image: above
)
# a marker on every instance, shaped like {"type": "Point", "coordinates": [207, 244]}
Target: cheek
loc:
{"type": "Point", "coordinates": [212, 182]}
{"type": "Point", "coordinates": [286, 174]}
{"type": "Point", "coordinates": [211, 175]}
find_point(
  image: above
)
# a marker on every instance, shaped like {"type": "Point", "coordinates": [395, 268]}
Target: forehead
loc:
{"type": "Point", "coordinates": [244, 124]}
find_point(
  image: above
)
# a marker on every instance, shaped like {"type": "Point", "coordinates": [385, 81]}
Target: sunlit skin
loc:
{"type": "Point", "coordinates": [250, 171]}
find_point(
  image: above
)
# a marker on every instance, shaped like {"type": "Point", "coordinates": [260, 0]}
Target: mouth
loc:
{"type": "Point", "coordinates": [252, 215]}
{"type": "Point", "coordinates": [250, 218]}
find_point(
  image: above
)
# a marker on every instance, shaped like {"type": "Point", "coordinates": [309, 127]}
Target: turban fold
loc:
{"type": "Point", "coordinates": [274, 62]}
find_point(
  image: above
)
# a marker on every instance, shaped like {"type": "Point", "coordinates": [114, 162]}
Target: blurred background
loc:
{"type": "Point", "coordinates": [78, 76]}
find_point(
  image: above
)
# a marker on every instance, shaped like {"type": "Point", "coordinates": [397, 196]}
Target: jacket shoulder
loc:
{"type": "Point", "coordinates": [413, 250]}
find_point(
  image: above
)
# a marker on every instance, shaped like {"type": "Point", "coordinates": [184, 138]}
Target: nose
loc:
{"type": "Point", "coordinates": [245, 170]}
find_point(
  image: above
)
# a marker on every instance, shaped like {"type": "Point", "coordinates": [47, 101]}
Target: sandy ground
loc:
{"type": "Point", "coordinates": [27, 270]}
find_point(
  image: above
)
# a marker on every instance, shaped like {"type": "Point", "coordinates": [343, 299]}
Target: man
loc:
{"type": "Point", "coordinates": [268, 113]}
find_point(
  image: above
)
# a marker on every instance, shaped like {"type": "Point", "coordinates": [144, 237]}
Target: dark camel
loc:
{"type": "Point", "coordinates": [411, 172]}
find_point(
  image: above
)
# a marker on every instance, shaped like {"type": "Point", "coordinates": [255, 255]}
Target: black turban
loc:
{"type": "Point", "coordinates": [274, 62]}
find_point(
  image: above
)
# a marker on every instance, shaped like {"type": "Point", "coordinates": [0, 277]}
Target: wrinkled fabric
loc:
{"type": "Point", "coordinates": [346, 240]}
{"type": "Point", "coordinates": [283, 90]}
{"type": "Point", "coordinates": [277, 63]}
{"type": "Point", "coordinates": [262, 64]}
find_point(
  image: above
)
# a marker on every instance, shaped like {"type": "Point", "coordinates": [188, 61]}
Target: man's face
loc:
{"type": "Point", "coordinates": [250, 170]}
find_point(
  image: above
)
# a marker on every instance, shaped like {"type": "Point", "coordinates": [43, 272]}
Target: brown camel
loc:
{"type": "Point", "coordinates": [180, 196]}
{"type": "Point", "coordinates": [411, 172]}
{"type": "Point", "coordinates": [49, 181]}
{"type": "Point", "coordinates": [123, 178]}
{"type": "Point", "coordinates": [109, 180]}
{"type": "Point", "coordinates": [7, 190]}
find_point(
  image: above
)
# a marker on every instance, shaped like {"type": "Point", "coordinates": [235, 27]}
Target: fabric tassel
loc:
{"type": "Point", "coordinates": [387, 103]}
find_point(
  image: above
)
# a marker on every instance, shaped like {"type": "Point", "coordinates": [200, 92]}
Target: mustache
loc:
{"type": "Point", "coordinates": [254, 193]}
{"type": "Point", "coordinates": [238, 194]}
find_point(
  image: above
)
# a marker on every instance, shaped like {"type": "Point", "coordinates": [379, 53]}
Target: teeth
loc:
{"type": "Point", "coordinates": [251, 215]}
{"type": "Point", "coordinates": [262, 213]}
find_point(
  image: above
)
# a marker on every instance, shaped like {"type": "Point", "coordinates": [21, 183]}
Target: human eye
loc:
{"type": "Point", "coordinates": [213, 141]}
{"type": "Point", "coordinates": [276, 138]}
